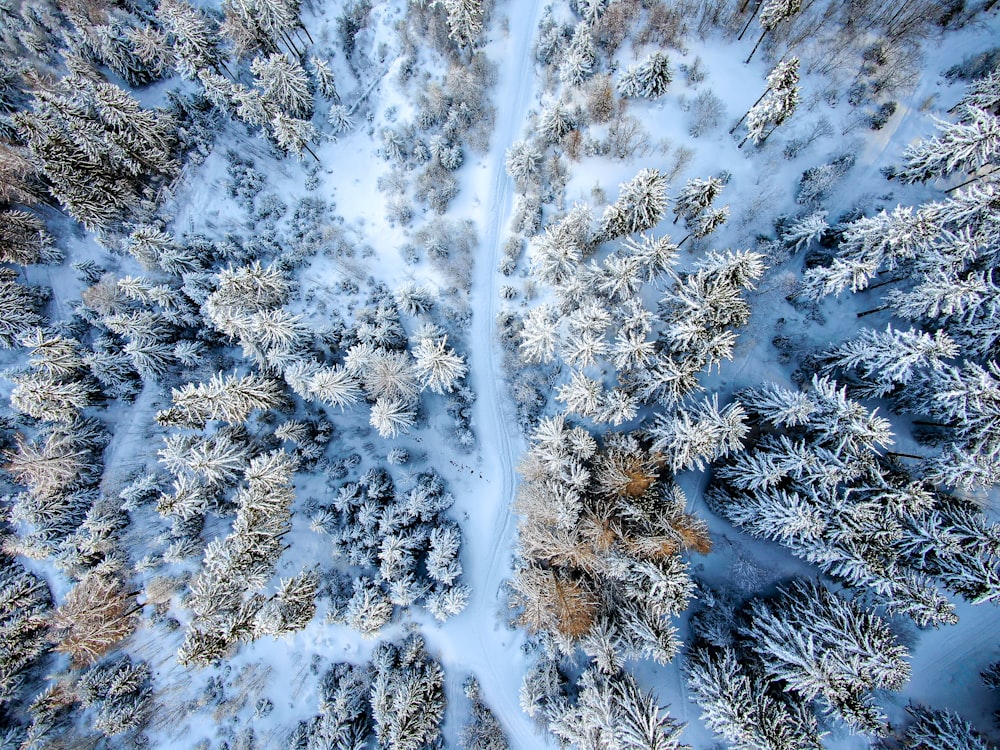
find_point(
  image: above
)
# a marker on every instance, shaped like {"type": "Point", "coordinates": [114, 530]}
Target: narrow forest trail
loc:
{"type": "Point", "coordinates": [491, 649]}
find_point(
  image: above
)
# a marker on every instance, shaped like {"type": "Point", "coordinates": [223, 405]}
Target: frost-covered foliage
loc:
{"type": "Point", "coordinates": [482, 731]}
{"type": "Point", "coordinates": [407, 695]}
{"type": "Point", "coordinates": [934, 729]}
{"type": "Point", "coordinates": [395, 702]}
{"type": "Point", "coordinates": [25, 604]}
{"type": "Point", "coordinates": [407, 550]}
{"type": "Point", "coordinates": [601, 537]}
{"type": "Point", "coordinates": [763, 679]}
{"type": "Point", "coordinates": [649, 79]}
{"type": "Point", "coordinates": [943, 258]}
{"type": "Point", "coordinates": [817, 482]}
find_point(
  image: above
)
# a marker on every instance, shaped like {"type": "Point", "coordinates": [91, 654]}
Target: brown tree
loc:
{"type": "Point", "coordinates": [96, 615]}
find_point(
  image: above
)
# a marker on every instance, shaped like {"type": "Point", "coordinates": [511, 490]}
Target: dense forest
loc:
{"type": "Point", "coordinates": [607, 374]}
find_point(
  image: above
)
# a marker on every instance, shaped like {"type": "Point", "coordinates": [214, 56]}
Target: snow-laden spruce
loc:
{"type": "Point", "coordinates": [817, 482]}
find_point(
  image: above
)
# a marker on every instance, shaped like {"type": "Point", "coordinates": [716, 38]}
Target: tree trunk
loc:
{"type": "Point", "coordinates": [969, 181]}
{"type": "Point", "coordinates": [904, 455]}
{"type": "Point", "coordinates": [873, 310]}
{"type": "Point", "coordinates": [313, 153]}
{"type": "Point", "coordinates": [683, 241]}
{"type": "Point", "coordinates": [883, 283]}
{"type": "Point", "coordinates": [753, 15]}
{"type": "Point", "coordinates": [925, 423]}
{"type": "Point", "coordinates": [759, 100]}
{"type": "Point", "coordinates": [754, 50]}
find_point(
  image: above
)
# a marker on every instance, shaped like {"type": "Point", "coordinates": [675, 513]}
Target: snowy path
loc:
{"type": "Point", "coordinates": [479, 639]}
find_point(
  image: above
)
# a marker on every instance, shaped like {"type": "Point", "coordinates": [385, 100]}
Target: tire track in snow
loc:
{"type": "Point", "coordinates": [499, 647]}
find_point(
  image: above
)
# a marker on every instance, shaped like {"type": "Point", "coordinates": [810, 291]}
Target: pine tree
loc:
{"type": "Point", "coordinates": [24, 239]}
{"type": "Point", "coordinates": [578, 59]}
{"type": "Point", "coordinates": [615, 712]}
{"type": "Point", "coordinates": [334, 386]}
{"type": "Point", "coordinates": [293, 134]}
{"type": "Point", "coordinates": [641, 204]}
{"type": "Point", "coordinates": [649, 79]}
{"type": "Point", "coordinates": [325, 79]}
{"type": "Point", "coordinates": [805, 230]}
{"type": "Point", "coordinates": [695, 197]}
{"type": "Point", "coordinates": [777, 104]}
{"type": "Point", "coordinates": [121, 691]}
{"type": "Point", "coordinates": [292, 607]}
{"type": "Point", "coordinates": [556, 255]}
{"type": "Point", "coordinates": [25, 602]}
{"type": "Point", "coordinates": [407, 696]}
{"type": "Point", "coordinates": [438, 367]}
{"type": "Point", "coordinates": [19, 309]}
{"type": "Point", "coordinates": [285, 85]}
{"type": "Point", "coordinates": [960, 147]}
{"type": "Point", "coordinates": [772, 14]}
{"type": "Point", "coordinates": [940, 730]}
{"type": "Point", "coordinates": [228, 398]}
{"type": "Point", "coordinates": [824, 647]}
{"type": "Point", "coordinates": [524, 161]}
{"type": "Point", "coordinates": [888, 360]}
{"type": "Point", "coordinates": [390, 417]}
{"type": "Point", "coordinates": [706, 433]}
{"type": "Point", "coordinates": [538, 336]}
{"type": "Point", "coordinates": [482, 731]}
{"type": "Point", "coordinates": [195, 38]}
{"type": "Point", "coordinates": [738, 707]}
{"type": "Point", "coordinates": [465, 21]}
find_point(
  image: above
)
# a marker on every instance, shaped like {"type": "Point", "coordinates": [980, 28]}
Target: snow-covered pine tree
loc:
{"type": "Point", "coordinates": [390, 416]}
{"type": "Point", "coordinates": [695, 437]}
{"type": "Point", "coordinates": [407, 695]}
{"type": "Point", "coordinates": [573, 578]}
{"type": "Point", "coordinates": [827, 648]}
{"type": "Point", "coordinates": [777, 104]}
{"type": "Point", "coordinates": [614, 712]}
{"type": "Point", "coordinates": [334, 386]}
{"type": "Point", "coordinates": [465, 21]}
{"type": "Point", "coordinates": [284, 83]}
{"type": "Point", "coordinates": [193, 37]}
{"type": "Point", "coordinates": [737, 705]}
{"type": "Point", "coordinates": [555, 122]}
{"type": "Point", "coordinates": [538, 335]}
{"type": "Point", "coordinates": [965, 146]}
{"type": "Point", "coordinates": [229, 398]}
{"type": "Point", "coordinates": [934, 729]}
{"type": "Point", "coordinates": [24, 239]}
{"type": "Point", "coordinates": [524, 162]}
{"type": "Point", "coordinates": [578, 59]}
{"type": "Point", "coordinates": [641, 204]}
{"type": "Point", "coordinates": [482, 731]}
{"type": "Point", "coordinates": [294, 134]}
{"type": "Point", "coordinates": [19, 309]}
{"type": "Point", "coordinates": [96, 146]}
{"type": "Point", "coordinates": [556, 255]}
{"type": "Point", "coordinates": [242, 26]}
{"type": "Point", "coordinates": [649, 79]}
{"type": "Point", "coordinates": [696, 196]}
{"type": "Point", "coordinates": [97, 614]}
{"type": "Point", "coordinates": [773, 13]}
{"type": "Point", "coordinates": [25, 603]}
{"type": "Point", "coordinates": [121, 691]}
{"type": "Point", "coordinates": [438, 366]}
{"type": "Point", "coordinates": [885, 361]}
{"type": "Point", "coordinates": [292, 607]}
{"type": "Point", "coordinates": [803, 231]}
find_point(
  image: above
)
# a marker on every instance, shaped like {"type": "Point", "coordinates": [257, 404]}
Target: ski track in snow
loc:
{"type": "Point", "coordinates": [497, 648]}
